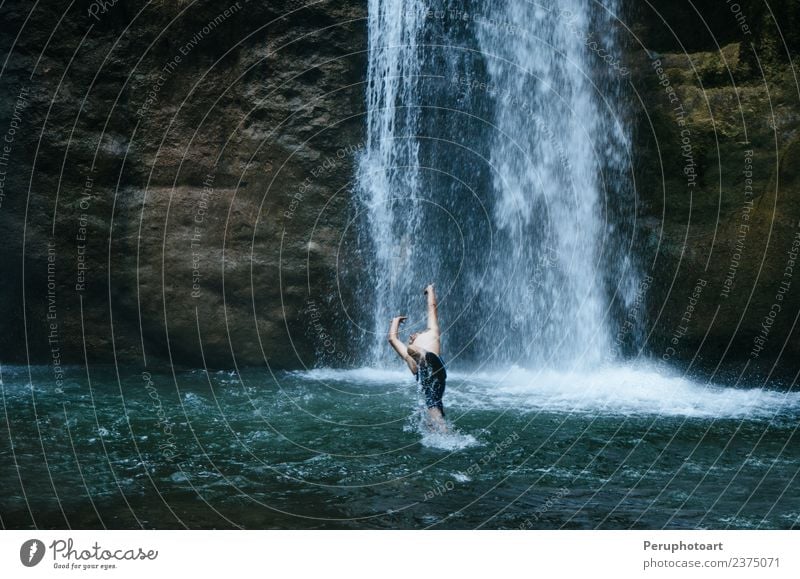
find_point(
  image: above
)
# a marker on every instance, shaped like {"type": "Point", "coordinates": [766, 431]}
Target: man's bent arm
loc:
{"type": "Point", "coordinates": [399, 346]}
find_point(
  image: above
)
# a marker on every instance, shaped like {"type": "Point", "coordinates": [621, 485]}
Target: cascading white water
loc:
{"type": "Point", "coordinates": [493, 155]}
{"type": "Point", "coordinates": [388, 170]}
{"type": "Point", "coordinates": [547, 170]}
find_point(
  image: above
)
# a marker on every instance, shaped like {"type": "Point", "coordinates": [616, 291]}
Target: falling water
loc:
{"type": "Point", "coordinates": [494, 167]}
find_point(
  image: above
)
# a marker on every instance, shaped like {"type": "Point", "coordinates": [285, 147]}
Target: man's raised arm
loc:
{"type": "Point", "coordinates": [433, 317]}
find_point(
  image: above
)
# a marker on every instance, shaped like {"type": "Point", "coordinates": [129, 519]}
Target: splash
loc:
{"type": "Point", "coordinates": [451, 439]}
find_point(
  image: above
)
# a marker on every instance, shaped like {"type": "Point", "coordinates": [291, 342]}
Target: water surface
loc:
{"type": "Point", "coordinates": [622, 447]}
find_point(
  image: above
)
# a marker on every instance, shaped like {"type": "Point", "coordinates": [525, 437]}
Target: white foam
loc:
{"type": "Point", "coordinates": [621, 389]}
{"type": "Point", "coordinates": [359, 375]}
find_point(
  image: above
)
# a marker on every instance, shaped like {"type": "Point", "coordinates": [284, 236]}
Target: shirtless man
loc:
{"type": "Point", "coordinates": [422, 356]}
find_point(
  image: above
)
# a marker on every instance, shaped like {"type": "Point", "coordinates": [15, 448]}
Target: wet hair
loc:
{"type": "Point", "coordinates": [415, 352]}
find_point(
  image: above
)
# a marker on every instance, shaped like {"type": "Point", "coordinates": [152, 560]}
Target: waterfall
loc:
{"type": "Point", "coordinates": [495, 167]}
{"type": "Point", "coordinates": [388, 172]}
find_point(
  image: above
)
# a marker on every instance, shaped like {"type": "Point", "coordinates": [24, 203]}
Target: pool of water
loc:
{"type": "Point", "coordinates": [621, 447]}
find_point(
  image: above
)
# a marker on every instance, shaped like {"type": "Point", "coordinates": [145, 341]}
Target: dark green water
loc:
{"type": "Point", "coordinates": [621, 448]}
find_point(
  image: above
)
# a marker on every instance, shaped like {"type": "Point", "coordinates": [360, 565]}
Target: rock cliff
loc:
{"type": "Point", "coordinates": [177, 173]}
{"type": "Point", "coordinates": [717, 151]}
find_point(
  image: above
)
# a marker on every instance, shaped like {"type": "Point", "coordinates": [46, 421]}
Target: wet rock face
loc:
{"type": "Point", "coordinates": [717, 146]}
{"type": "Point", "coordinates": [178, 175]}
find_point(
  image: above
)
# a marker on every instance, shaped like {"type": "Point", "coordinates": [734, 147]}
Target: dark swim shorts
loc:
{"type": "Point", "coordinates": [431, 376]}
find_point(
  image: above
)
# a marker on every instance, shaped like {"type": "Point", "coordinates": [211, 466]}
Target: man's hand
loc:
{"type": "Point", "coordinates": [430, 295]}
{"type": "Point", "coordinates": [395, 326]}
